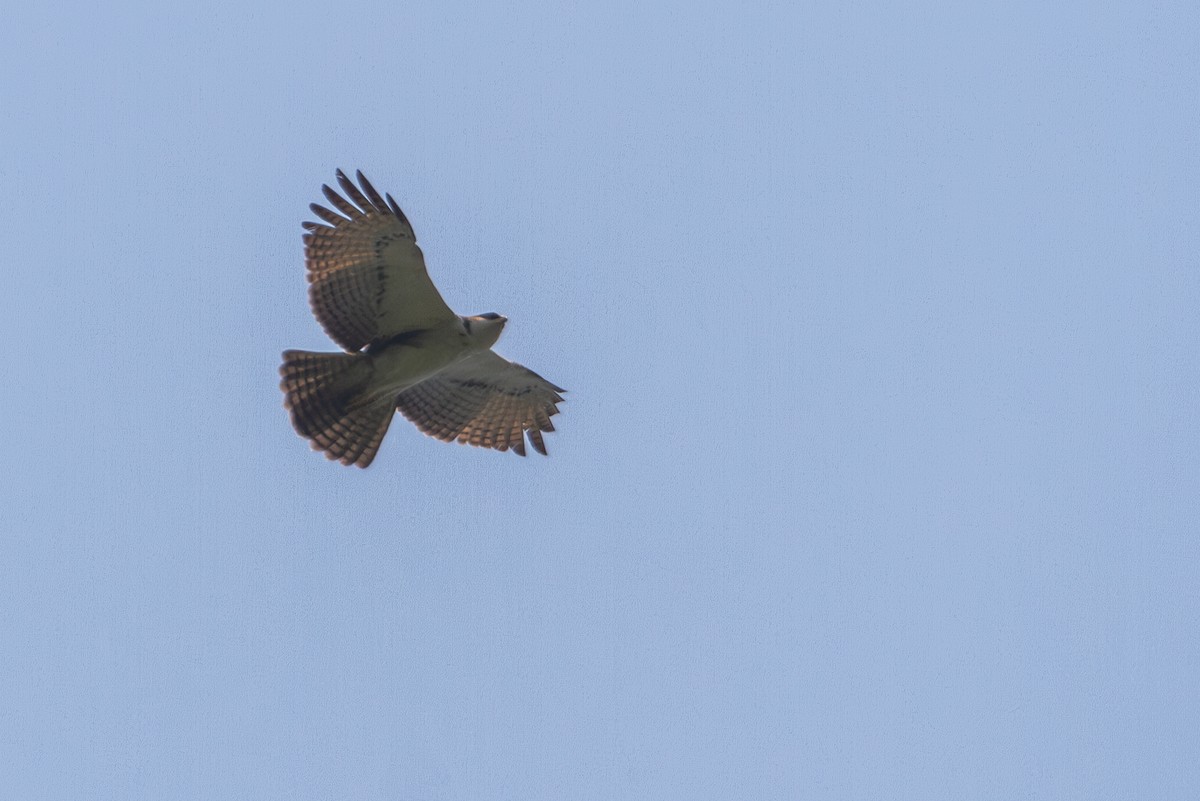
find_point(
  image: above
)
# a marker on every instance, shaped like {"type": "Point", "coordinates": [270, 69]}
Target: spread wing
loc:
{"type": "Point", "coordinates": [367, 276]}
{"type": "Point", "coordinates": [484, 400]}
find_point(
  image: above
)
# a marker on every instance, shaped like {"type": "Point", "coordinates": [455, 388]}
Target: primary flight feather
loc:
{"type": "Point", "coordinates": [406, 350]}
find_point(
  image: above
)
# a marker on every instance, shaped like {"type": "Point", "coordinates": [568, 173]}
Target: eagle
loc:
{"type": "Point", "coordinates": [404, 348]}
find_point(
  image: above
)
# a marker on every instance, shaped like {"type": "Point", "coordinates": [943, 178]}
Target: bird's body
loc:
{"type": "Point", "coordinates": [406, 350]}
{"type": "Point", "coordinates": [411, 359]}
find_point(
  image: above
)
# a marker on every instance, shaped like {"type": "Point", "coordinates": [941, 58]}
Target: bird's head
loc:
{"type": "Point", "coordinates": [485, 328]}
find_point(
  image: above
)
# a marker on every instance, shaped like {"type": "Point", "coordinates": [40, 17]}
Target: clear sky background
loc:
{"type": "Point", "coordinates": [879, 474]}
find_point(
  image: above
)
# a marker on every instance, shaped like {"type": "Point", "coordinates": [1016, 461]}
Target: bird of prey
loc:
{"type": "Point", "coordinates": [405, 348]}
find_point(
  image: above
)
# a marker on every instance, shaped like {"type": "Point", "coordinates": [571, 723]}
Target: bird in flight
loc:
{"type": "Point", "coordinates": [405, 349]}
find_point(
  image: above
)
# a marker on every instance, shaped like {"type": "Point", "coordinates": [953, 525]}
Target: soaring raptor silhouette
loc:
{"type": "Point", "coordinates": [405, 348]}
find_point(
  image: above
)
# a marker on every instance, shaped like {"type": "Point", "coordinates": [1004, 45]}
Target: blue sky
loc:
{"type": "Point", "coordinates": [877, 476]}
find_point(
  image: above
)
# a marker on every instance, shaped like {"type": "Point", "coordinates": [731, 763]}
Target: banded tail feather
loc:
{"type": "Point", "coordinates": [320, 391]}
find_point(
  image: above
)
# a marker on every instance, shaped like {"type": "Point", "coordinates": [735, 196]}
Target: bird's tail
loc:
{"type": "Point", "coordinates": [321, 390]}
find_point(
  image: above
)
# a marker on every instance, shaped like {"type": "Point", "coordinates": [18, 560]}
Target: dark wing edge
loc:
{"type": "Point", "coordinates": [366, 201]}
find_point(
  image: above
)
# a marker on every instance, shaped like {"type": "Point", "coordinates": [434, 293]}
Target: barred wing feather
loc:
{"type": "Point", "coordinates": [367, 277]}
{"type": "Point", "coordinates": [484, 400]}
